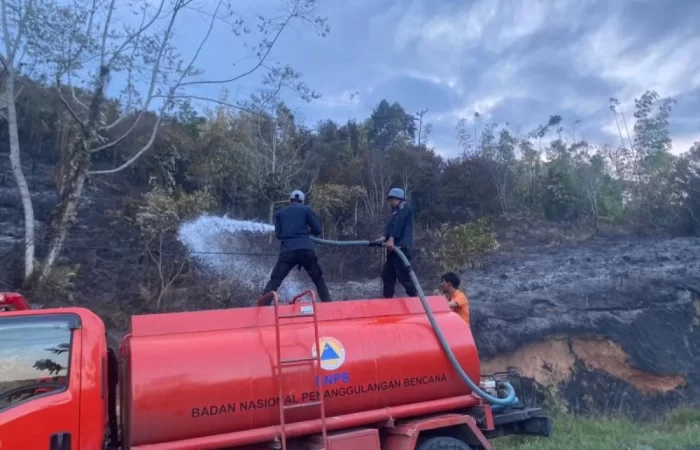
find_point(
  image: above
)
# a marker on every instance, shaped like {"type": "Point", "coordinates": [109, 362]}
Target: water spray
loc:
{"type": "Point", "coordinates": [209, 239]}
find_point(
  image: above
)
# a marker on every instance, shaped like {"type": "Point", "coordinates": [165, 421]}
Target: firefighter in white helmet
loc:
{"type": "Point", "coordinates": [293, 224]}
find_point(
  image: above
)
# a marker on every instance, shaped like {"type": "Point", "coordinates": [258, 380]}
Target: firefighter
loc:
{"type": "Point", "coordinates": [292, 226]}
{"type": "Point", "coordinates": [398, 233]}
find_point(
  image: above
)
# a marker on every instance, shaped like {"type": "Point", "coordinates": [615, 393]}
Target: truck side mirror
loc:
{"type": "Point", "coordinates": [12, 301]}
{"type": "Point", "coordinates": [60, 441]}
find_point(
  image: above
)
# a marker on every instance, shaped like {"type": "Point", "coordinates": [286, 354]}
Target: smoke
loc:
{"type": "Point", "coordinates": [220, 245]}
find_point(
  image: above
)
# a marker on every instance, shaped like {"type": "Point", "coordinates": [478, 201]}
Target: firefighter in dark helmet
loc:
{"type": "Point", "coordinates": [293, 224]}
{"type": "Point", "coordinates": [398, 233]}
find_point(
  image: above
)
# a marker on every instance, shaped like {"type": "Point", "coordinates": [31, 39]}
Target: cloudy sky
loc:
{"type": "Point", "coordinates": [515, 61]}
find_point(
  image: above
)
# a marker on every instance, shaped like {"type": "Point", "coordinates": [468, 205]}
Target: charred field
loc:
{"type": "Point", "coordinates": [605, 325]}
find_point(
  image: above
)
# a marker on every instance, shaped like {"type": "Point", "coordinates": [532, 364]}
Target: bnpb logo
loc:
{"type": "Point", "coordinates": [332, 353]}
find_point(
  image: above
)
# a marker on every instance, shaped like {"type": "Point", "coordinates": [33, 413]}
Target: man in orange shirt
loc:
{"type": "Point", "coordinates": [457, 299]}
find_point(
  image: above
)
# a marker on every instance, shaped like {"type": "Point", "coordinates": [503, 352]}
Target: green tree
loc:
{"type": "Point", "coordinates": [652, 158]}
{"type": "Point", "coordinates": [528, 184]}
{"type": "Point", "coordinates": [500, 163]}
{"type": "Point", "coordinates": [419, 170]}
{"type": "Point", "coordinates": [562, 195]}
{"type": "Point", "coordinates": [687, 188]}
{"type": "Point", "coordinates": [391, 126]}
{"type": "Point", "coordinates": [338, 207]}
{"type": "Point", "coordinates": [600, 192]}
{"type": "Point", "coordinates": [221, 164]}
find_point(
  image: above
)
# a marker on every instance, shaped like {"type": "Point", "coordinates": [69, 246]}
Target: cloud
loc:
{"type": "Point", "coordinates": [515, 61]}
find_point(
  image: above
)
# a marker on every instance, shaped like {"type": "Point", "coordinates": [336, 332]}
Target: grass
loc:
{"type": "Point", "coordinates": [678, 431]}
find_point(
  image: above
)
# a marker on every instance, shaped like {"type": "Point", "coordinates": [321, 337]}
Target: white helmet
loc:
{"type": "Point", "coordinates": [297, 195]}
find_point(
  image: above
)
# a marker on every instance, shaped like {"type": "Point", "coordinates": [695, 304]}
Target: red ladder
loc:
{"type": "Point", "coordinates": [283, 363]}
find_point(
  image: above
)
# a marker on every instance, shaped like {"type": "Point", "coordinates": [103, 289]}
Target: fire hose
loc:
{"type": "Point", "coordinates": [509, 400]}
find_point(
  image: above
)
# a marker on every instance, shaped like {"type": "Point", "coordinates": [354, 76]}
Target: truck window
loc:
{"type": "Point", "coordinates": [34, 357]}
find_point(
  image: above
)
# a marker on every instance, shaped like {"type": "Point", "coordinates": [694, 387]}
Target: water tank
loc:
{"type": "Point", "coordinates": [194, 374]}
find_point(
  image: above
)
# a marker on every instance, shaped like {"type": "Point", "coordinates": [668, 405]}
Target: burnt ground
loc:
{"type": "Point", "coordinates": [609, 324]}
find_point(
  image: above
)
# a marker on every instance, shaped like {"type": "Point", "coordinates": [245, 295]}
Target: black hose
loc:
{"type": "Point", "coordinates": [510, 398]}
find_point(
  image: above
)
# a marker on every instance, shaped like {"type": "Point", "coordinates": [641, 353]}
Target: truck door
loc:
{"type": "Point", "coordinates": [39, 381]}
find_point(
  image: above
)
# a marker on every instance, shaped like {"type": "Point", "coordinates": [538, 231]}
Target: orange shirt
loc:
{"type": "Point", "coordinates": [462, 304]}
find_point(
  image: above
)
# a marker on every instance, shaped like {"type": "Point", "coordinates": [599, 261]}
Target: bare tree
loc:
{"type": "Point", "coordinates": [424, 133]}
{"type": "Point", "coordinates": [421, 134]}
{"type": "Point", "coordinates": [501, 164]}
{"type": "Point", "coordinates": [18, 24]}
{"type": "Point", "coordinates": [591, 168]}
{"type": "Point", "coordinates": [167, 273]}
{"type": "Point", "coordinates": [498, 157]}
{"type": "Point", "coordinates": [624, 157]}
{"type": "Point", "coordinates": [89, 42]}
{"type": "Point", "coordinates": [465, 140]}
{"type": "Point", "coordinates": [405, 163]}
{"type": "Point", "coordinates": [376, 183]}
{"type": "Point", "coordinates": [279, 152]}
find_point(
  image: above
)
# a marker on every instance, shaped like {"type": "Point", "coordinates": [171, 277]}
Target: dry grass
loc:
{"type": "Point", "coordinates": [678, 431]}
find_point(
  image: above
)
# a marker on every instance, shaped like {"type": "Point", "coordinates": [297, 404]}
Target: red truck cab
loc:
{"type": "Point", "coordinates": [53, 369]}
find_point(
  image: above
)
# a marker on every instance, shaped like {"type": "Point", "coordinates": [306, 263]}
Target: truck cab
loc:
{"type": "Point", "coordinates": [53, 370]}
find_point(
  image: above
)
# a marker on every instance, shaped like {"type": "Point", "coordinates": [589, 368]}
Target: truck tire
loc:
{"type": "Point", "coordinates": [443, 443]}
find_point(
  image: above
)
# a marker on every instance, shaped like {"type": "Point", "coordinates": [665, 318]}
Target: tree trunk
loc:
{"type": "Point", "coordinates": [62, 218]}
{"type": "Point", "coordinates": [273, 140]}
{"type": "Point", "coordinates": [271, 218]}
{"type": "Point", "coordinates": [501, 190]}
{"type": "Point", "coordinates": [74, 173]}
{"type": "Point", "coordinates": [594, 205]}
{"type": "Point", "coordinates": [15, 162]}
{"type": "Point", "coordinates": [595, 223]}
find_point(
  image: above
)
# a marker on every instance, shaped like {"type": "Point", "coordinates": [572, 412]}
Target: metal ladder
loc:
{"type": "Point", "coordinates": [284, 363]}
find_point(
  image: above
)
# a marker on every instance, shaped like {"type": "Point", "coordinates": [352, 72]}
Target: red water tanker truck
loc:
{"type": "Point", "coordinates": [358, 375]}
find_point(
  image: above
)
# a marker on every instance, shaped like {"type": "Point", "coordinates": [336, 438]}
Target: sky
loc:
{"type": "Point", "coordinates": [512, 61]}
{"type": "Point", "coordinates": [22, 345]}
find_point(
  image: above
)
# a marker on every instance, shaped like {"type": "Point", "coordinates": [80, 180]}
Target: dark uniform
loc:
{"type": "Point", "coordinates": [292, 226]}
{"type": "Point", "coordinates": [400, 227]}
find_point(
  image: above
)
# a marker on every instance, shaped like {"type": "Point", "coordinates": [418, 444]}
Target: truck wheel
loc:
{"type": "Point", "coordinates": [443, 443]}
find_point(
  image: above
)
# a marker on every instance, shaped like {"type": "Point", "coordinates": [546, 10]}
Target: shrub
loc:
{"type": "Point", "coordinates": [161, 213]}
{"type": "Point", "coordinates": [461, 245]}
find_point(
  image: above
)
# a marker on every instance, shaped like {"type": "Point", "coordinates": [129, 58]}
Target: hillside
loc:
{"type": "Point", "coordinates": [608, 323]}
{"type": "Point", "coordinates": [580, 260]}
